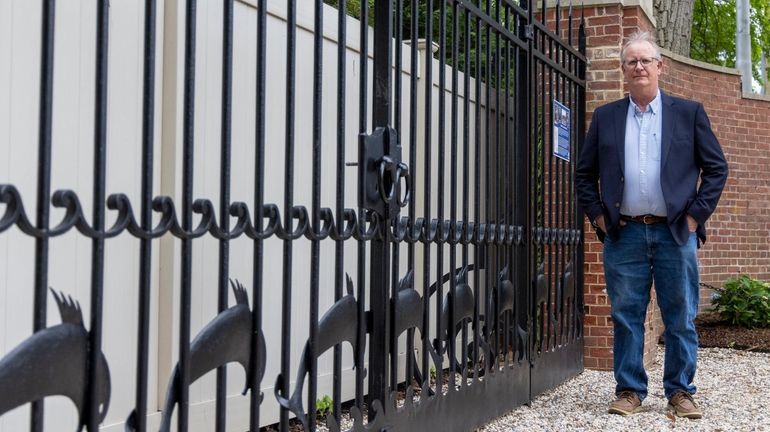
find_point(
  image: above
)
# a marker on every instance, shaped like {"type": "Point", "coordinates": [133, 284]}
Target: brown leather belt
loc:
{"type": "Point", "coordinates": [647, 219]}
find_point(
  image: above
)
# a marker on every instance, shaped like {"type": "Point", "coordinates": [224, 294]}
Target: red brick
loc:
{"type": "Point", "coordinates": [590, 362]}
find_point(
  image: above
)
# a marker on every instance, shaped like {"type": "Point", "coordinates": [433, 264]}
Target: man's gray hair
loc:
{"type": "Point", "coordinates": [639, 36]}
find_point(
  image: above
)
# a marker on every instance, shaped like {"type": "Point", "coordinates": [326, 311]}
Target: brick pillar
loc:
{"type": "Point", "coordinates": [606, 26]}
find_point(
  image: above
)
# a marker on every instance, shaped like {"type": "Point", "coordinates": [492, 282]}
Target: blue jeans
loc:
{"type": "Point", "coordinates": [641, 254]}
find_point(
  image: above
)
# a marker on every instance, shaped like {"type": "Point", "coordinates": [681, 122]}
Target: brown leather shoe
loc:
{"type": "Point", "coordinates": [627, 403]}
{"type": "Point", "coordinates": [682, 404]}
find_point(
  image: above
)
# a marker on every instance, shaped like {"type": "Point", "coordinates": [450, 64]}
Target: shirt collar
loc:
{"type": "Point", "coordinates": [654, 105]}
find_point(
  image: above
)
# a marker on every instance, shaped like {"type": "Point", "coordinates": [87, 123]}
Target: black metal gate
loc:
{"type": "Point", "coordinates": [465, 221]}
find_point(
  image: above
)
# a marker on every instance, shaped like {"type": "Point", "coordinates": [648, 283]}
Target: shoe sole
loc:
{"type": "Point", "coordinates": [692, 415]}
{"type": "Point", "coordinates": [624, 412]}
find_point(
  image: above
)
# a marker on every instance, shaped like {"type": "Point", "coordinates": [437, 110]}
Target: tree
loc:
{"type": "Point", "coordinates": [488, 7]}
{"type": "Point", "coordinates": [673, 19]}
{"type": "Point", "coordinates": [713, 32]}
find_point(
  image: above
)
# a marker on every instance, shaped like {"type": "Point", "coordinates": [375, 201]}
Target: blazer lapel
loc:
{"type": "Point", "coordinates": [620, 114]}
{"type": "Point", "coordinates": [668, 120]}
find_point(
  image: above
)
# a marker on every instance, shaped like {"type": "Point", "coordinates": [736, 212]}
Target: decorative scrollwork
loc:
{"type": "Point", "coordinates": [331, 225]}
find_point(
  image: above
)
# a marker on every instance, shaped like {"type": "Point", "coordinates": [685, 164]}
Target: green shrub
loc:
{"type": "Point", "coordinates": [743, 301]}
{"type": "Point", "coordinates": [324, 406]}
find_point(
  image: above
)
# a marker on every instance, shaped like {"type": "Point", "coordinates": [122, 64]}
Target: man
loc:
{"type": "Point", "coordinates": [637, 181]}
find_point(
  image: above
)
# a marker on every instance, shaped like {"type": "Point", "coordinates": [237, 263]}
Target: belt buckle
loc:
{"type": "Point", "coordinates": [644, 219]}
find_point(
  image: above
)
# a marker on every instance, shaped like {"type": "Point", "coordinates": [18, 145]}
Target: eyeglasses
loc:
{"type": "Point", "coordinates": [645, 62]}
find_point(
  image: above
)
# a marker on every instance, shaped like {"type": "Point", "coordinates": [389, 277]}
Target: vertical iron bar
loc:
{"type": "Point", "coordinates": [45, 115]}
{"type": "Point", "coordinates": [413, 168]}
{"type": "Point", "coordinates": [288, 223]}
{"type": "Point", "coordinates": [224, 194]}
{"type": "Point", "coordinates": [362, 218]}
{"type": "Point", "coordinates": [393, 337]}
{"type": "Point", "coordinates": [571, 87]}
{"type": "Point", "coordinates": [414, 59]}
{"type": "Point", "coordinates": [398, 49]}
{"type": "Point", "coordinates": [453, 201]}
{"type": "Point", "coordinates": [554, 191]}
{"type": "Point", "coordinates": [542, 195]}
{"type": "Point", "coordinates": [315, 244]}
{"type": "Point", "coordinates": [565, 171]}
{"type": "Point", "coordinates": [499, 196]}
{"type": "Point", "coordinates": [466, 171]}
{"type": "Point", "coordinates": [466, 124]}
{"type": "Point", "coordinates": [380, 259]}
{"type": "Point", "coordinates": [398, 35]}
{"type": "Point", "coordinates": [477, 206]}
{"type": "Point", "coordinates": [569, 28]}
{"type": "Point", "coordinates": [187, 198]}
{"type": "Point", "coordinates": [425, 332]}
{"type": "Point", "coordinates": [570, 190]}
{"type": "Point", "coordinates": [97, 244]}
{"type": "Point", "coordinates": [507, 187]}
{"type": "Point", "coordinates": [259, 199]}
{"type": "Point", "coordinates": [145, 263]}
{"type": "Point", "coordinates": [580, 137]}
{"type": "Point", "coordinates": [570, 175]}
{"type": "Point", "coordinates": [382, 99]}
{"type": "Point", "coordinates": [555, 185]}
{"type": "Point", "coordinates": [559, 194]}
{"type": "Point", "coordinates": [491, 318]}
{"type": "Point", "coordinates": [339, 245]}
{"type": "Point", "coordinates": [477, 251]}
{"type": "Point", "coordinates": [440, 331]}
{"type": "Point", "coordinates": [523, 190]}
{"type": "Point", "coordinates": [540, 161]}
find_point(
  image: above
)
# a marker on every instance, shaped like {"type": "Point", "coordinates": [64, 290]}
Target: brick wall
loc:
{"type": "Point", "coordinates": [739, 231]}
{"type": "Point", "coordinates": [739, 240]}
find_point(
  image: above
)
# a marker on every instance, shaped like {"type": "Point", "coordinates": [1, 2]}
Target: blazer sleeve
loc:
{"type": "Point", "coordinates": [587, 173]}
{"type": "Point", "coordinates": [711, 161]}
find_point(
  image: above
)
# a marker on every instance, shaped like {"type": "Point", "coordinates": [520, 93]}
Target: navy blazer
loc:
{"type": "Point", "coordinates": [689, 150]}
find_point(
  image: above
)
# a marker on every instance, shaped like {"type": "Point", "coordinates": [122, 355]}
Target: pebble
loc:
{"type": "Point", "coordinates": [733, 392]}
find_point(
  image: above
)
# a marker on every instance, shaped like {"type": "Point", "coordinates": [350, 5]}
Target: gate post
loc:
{"type": "Point", "coordinates": [522, 212]}
{"type": "Point", "coordinates": [379, 279]}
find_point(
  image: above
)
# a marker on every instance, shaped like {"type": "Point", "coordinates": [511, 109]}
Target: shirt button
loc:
{"type": "Point", "coordinates": [622, 179]}
{"type": "Point", "coordinates": [617, 205]}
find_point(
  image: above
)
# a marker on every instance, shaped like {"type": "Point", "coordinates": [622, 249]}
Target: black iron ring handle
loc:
{"type": "Point", "coordinates": [387, 164]}
{"type": "Point", "coordinates": [402, 171]}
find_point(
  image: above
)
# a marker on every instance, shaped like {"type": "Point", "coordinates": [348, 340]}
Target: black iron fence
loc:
{"type": "Point", "coordinates": [466, 295]}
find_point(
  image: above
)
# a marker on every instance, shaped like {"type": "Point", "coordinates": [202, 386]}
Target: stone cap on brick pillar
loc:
{"type": "Point", "coordinates": [644, 5]}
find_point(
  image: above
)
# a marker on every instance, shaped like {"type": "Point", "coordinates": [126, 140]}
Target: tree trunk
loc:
{"type": "Point", "coordinates": [674, 23]}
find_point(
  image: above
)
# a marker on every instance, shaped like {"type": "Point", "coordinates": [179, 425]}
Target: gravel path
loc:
{"type": "Point", "coordinates": [733, 391]}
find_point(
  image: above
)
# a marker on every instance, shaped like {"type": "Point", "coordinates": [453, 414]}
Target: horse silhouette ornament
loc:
{"type": "Point", "coordinates": [54, 362]}
{"type": "Point", "coordinates": [226, 339]}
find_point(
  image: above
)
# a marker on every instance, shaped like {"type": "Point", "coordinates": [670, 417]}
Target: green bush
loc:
{"type": "Point", "coordinates": [324, 406]}
{"type": "Point", "coordinates": [743, 301]}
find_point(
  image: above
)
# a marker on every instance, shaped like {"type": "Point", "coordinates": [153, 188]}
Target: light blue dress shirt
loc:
{"type": "Point", "coordinates": [642, 193]}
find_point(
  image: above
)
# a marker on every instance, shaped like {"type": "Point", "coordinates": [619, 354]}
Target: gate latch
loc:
{"type": "Point", "coordinates": [529, 31]}
{"type": "Point", "coordinates": [381, 171]}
